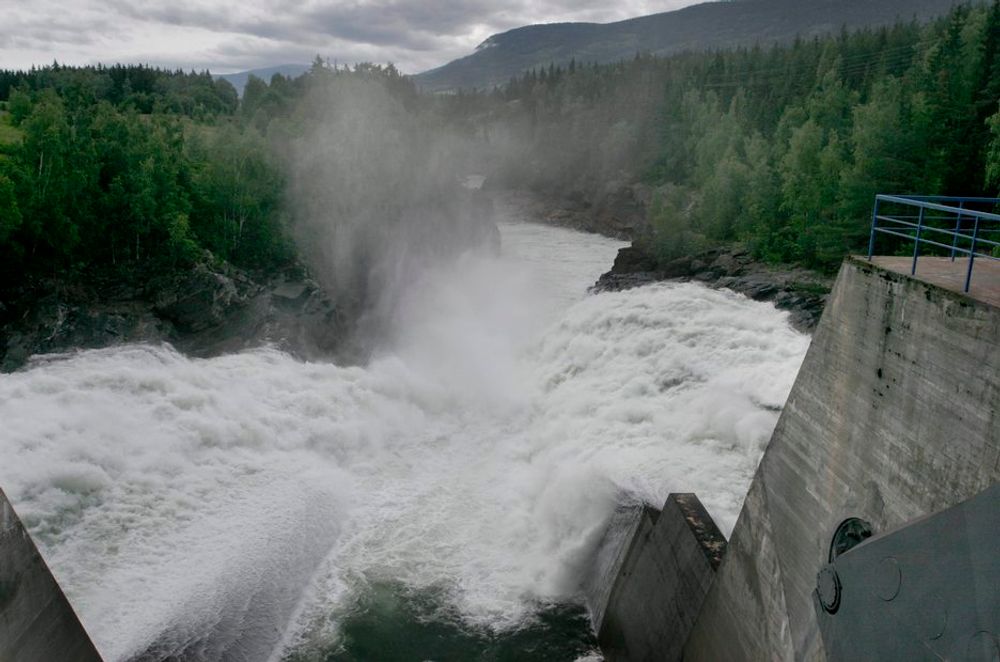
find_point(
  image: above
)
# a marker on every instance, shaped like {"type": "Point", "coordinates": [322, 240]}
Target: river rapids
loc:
{"type": "Point", "coordinates": [248, 507]}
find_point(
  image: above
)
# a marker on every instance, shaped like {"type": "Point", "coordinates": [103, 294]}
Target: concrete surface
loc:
{"type": "Point", "coordinates": [928, 591]}
{"type": "Point", "coordinates": [894, 415]}
{"type": "Point", "coordinates": [663, 572]}
{"type": "Point", "coordinates": [943, 272]}
{"type": "Point", "coordinates": [37, 623]}
{"type": "Point", "coordinates": [616, 543]}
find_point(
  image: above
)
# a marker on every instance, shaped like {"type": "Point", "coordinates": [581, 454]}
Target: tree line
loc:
{"type": "Point", "coordinates": [129, 171]}
{"type": "Point", "coordinates": [781, 148]}
{"type": "Point", "coordinates": [132, 169]}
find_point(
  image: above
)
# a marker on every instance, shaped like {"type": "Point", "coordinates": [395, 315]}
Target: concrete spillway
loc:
{"type": "Point", "coordinates": [37, 623]}
{"type": "Point", "coordinates": [658, 572]}
{"type": "Point", "coordinates": [893, 417]}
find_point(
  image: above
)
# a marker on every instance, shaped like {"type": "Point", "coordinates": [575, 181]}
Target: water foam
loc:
{"type": "Point", "coordinates": [226, 507]}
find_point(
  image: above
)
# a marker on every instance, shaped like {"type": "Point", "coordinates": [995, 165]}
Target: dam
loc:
{"type": "Point", "coordinates": [891, 427]}
{"type": "Point", "coordinates": [892, 418]}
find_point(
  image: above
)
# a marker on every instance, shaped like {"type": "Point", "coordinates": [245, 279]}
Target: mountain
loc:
{"type": "Point", "coordinates": [239, 80]}
{"type": "Point", "coordinates": [697, 28]}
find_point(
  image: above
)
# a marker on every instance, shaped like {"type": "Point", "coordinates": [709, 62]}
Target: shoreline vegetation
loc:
{"type": "Point", "coordinates": [138, 203]}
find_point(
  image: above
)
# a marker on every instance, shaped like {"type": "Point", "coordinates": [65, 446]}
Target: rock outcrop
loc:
{"type": "Point", "coordinates": [801, 292]}
{"type": "Point", "coordinates": [205, 311]}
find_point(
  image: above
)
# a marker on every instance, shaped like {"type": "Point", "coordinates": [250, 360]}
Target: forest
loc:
{"type": "Point", "coordinates": [131, 170]}
{"type": "Point", "coordinates": [780, 149]}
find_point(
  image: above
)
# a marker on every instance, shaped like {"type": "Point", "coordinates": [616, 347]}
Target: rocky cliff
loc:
{"type": "Point", "coordinates": [801, 292]}
{"type": "Point", "coordinates": [204, 311]}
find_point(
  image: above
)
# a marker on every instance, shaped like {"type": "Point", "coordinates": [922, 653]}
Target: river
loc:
{"type": "Point", "coordinates": [440, 502]}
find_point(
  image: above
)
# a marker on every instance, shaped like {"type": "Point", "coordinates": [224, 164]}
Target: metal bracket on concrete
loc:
{"type": "Point", "coordinates": [929, 590]}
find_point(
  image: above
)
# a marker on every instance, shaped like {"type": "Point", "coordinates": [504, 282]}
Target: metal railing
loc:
{"type": "Point", "coordinates": [956, 226]}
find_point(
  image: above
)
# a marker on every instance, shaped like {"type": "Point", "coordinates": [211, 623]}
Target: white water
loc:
{"type": "Point", "coordinates": [240, 501]}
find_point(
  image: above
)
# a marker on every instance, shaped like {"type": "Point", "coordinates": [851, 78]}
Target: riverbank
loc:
{"type": "Point", "coordinates": [207, 310]}
{"type": "Point", "coordinates": [214, 309]}
{"type": "Point", "coordinates": [801, 292]}
{"type": "Point", "coordinates": [621, 214]}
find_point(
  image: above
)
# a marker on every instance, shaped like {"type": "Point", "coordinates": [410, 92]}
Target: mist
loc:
{"type": "Point", "coordinates": [377, 190]}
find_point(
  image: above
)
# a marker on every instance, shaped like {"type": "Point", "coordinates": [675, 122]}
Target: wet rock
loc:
{"type": "Point", "coordinates": [206, 311]}
{"type": "Point", "coordinates": [633, 260]}
{"type": "Point", "coordinates": [200, 299]}
{"type": "Point", "coordinates": [680, 268]}
{"type": "Point", "coordinates": [799, 291]}
{"type": "Point", "coordinates": [55, 324]}
{"type": "Point", "coordinates": [290, 291]}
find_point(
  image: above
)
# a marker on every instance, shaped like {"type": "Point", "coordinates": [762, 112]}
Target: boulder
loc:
{"type": "Point", "coordinates": [199, 299]}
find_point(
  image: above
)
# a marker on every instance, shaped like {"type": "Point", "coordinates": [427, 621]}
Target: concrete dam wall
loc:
{"type": "Point", "coordinates": [37, 623]}
{"type": "Point", "coordinates": [893, 417]}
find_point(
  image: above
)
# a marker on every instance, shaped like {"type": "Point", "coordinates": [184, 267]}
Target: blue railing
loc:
{"type": "Point", "coordinates": [958, 226]}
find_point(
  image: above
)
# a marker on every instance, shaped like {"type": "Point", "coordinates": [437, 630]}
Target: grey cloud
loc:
{"type": "Point", "coordinates": [415, 34]}
{"type": "Point", "coordinates": [188, 14]}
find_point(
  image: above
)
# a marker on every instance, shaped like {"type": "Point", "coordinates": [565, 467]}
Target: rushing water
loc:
{"type": "Point", "coordinates": [441, 502]}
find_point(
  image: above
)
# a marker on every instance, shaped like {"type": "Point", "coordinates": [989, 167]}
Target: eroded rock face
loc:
{"type": "Point", "coordinates": [203, 312]}
{"type": "Point", "coordinates": [55, 324]}
{"type": "Point", "coordinates": [201, 298]}
{"type": "Point", "coordinates": [801, 292]}
{"type": "Point", "coordinates": [291, 312]}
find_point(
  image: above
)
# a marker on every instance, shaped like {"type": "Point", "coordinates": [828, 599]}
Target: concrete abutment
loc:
{"type": "Point", "coordinates": [893, 417]}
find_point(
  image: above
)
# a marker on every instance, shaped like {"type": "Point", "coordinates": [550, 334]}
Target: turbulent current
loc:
{"type": "Point", "coordinates": [254, 506]}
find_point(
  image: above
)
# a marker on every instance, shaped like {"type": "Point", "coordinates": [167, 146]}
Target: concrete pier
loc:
{"type": "Point", "coordinates": [37, 623]}
{"type": "Point", "coordinates": [653, 579]}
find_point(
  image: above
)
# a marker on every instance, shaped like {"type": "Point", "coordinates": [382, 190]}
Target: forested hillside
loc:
{"type": "Point", "coordinates": [780, 148]}
{"type": "Point", "coordinates": [702, 27]}
{"type": "Point", "coordinates": [128, 170]}
{"type": "Point", "coordinates": [131, 171]}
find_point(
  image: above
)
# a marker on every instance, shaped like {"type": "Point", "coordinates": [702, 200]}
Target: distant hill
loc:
{"type": "Point", "coordinates": [700, 27]}
{"type": "Point", "coordinates": [239, 80]}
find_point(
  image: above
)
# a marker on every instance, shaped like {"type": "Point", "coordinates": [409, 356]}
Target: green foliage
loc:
{"type": "Point", "coordinates": [94, 184]}
{"type": "Point", "coordinates": [238, 194]}
{"type": "Point", "coordinates": [782, 148]}
{"type": "Point", "coordinates": [140, 87]}
{"type": "Point", "coordinates": [137, 171]}
{"type": "Point", "coordinates": [9, 134]}
{"type": "Point", "coordinates": [670, 216]}
{"type": "Point", "coordinates": [993, 153]}
{"type": "Point", "coordinates": [19, 106]}
{"type": "Point", "coordinates": [10, 214]}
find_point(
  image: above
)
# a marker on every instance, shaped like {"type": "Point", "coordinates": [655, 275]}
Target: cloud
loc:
{"type": "Point", "coordinates": [229, 36]}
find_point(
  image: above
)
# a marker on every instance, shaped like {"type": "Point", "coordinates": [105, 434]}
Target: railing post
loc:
{"type": "Point", "coordinates": [871, 241]}
{"type": "Point", "coordinates": [972, 254]}
{"type": "Point", "coordinates": [958, 228]}
{"type": "Point", "coordinates": [916, 242]}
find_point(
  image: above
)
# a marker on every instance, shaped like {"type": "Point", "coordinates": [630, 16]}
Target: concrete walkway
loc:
{"type": "Point", "coordinates": [941, 271]}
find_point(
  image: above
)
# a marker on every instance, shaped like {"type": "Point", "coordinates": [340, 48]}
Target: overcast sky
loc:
{"type": "Point", "coordinates": [227, 36]}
